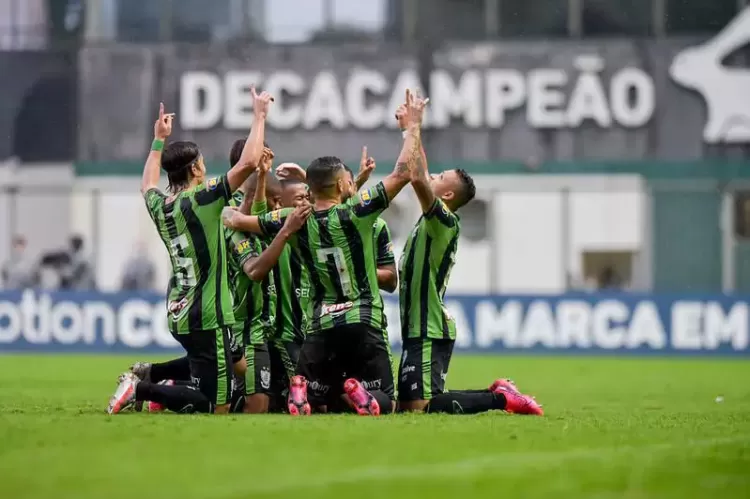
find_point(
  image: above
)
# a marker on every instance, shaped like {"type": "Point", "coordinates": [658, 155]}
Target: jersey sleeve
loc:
{"type": "Point", "coordinates": [271, 223]}
{"type": "Point", "coordinates": [154, 201]}
{"type": "Point", "coordinates": [242, 248]}
{"type": "Point", "coordinates": [214, 191]}
{"type": "Point", "coordinates": [237, 198]}
{"type": "Point", "coordinates": [368, 204]}
{"type": "Point", "coordinates": [440, 221]}
{"type": "Point", "coordinates": [259, 208]}
{"type": "Point", "coordinates": [383, 244]}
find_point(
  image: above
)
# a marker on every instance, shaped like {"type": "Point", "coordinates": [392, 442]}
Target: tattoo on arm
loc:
{"type": "Point", "coordinates": [402, 168]}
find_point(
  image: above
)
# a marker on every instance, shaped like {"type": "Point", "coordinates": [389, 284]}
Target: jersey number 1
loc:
{"type": "Point", "coordinates": [184, 269]}
{"type": "Point", "coordinates": [339, 260]}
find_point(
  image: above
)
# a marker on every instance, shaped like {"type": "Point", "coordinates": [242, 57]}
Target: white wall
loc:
{"type": "Point", "coordinates": [526, 221]}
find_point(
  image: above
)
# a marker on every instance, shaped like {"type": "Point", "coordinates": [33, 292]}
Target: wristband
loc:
{"type": "Point", "coordinates": [157, 145]}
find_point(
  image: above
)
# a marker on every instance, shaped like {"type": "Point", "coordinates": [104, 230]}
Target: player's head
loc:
{"type": "Point", "coordinates": [352, 188]}
{"type": "Point", "coordinates": [273, 190]}
{"type": "Point", "coordinates": [183, 162]}
{"type": "Point", "coordinates": [328, 179]}
{"type": "Point", "coordinates": [454, 187]}
{"type": "Point", "coordinates": [294, 193]}
{"type": "Point", "coordinates": [236, 151]}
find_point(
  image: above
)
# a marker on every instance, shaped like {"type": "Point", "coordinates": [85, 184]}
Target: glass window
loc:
{"type": "Point", "coordinates": [698, 16]}
{"type": "Point", "coordinates": [537, 18]}
{"type": "Point", "coordinates": [614, 17]}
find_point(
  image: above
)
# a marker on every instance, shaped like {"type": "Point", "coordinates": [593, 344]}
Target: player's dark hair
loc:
{"type": "Point", "coordinates": [468, 189]}
{"type": "Point", "coordinates": [236, 151]}
{"type": "Point", "coordinates": [321, 173]}
{"type": "Point", "coordinates": [177, 160]}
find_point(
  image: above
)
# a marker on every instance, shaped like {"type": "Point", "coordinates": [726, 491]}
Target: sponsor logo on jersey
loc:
{"type": "Point", "coordinates": [365, 197]}
{"type": "Point", "coordinates": [335, 309]}
{"type": "Point", "coordinates": [242, 246]}
{"type": "Point", "coordinates": [176, 307]}
{"type": "Point", "coordinates": [276, 216]}
{"type": "Point", "coordinates": [213, 184]}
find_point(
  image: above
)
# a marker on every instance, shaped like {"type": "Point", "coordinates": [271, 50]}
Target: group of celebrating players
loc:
{"type": "Point", "coordinates": [276, 280]}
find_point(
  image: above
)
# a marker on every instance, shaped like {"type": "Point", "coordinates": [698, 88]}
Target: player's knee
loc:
{"type": "Point", "coordinates": [412, 405]}
{"type": "Point", "coordinates": [256, 404]}
{"type": "Point", "coordinates": [240, 367]}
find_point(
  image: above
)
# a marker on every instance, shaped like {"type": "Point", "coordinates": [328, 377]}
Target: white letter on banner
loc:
{"type": "Point", "coordinates": [492, 324]}
{"type": "Point", "coordinates": [10, 315]}
{"type": "Point", "coordinates": [463, 331]}
{"type": "Point", "coordinates": [98, 314]}
{"type": "Point", "coordinates": [462, 100]}
{"type": "Point", "coordinates": [574, 324]}
{"type": "Point", "coordinates": [324, 103]}
{"type": "Point", "coordinates": [67, 312]}
{"type": "Point", "coordinates": [588, 102]}
{"type": "Point", "coordinates": [538, 326]}
{"type": "Point", "coordinates": [686, 325]}
{"type": "Point", "coordinates": [606, 314]}
{"type": "Point", "coordinates": [544, 106]}
{"type": "Point", "coordinates": [505, 90]}
{"type": "Point", "coordinates": [238, 99]}
{"type": "Point", "coordinates": [730, 328]}
{"type": "Point", "coordinates": [646, 327]}
{"type": "Point", "coordinates": [393, 316]}
{"type": "Point", "coordinates": [360, 83]}
{"type": "Point", "coordinates": [33, 312]}
{"type": "Point", "coordinates": [280, 83]}
{"type": "Point", "coordinates": [193, 86]}
{"type": "Point", "coordinates": [642, 85]}
{"type": "Point", "coordinates": [132, 332]}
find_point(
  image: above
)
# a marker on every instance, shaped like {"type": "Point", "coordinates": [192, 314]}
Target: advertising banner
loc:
{"type": "Point", "coordinates": [596, 323]}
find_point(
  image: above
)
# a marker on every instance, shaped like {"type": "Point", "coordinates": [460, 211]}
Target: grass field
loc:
{"type": "Point", "coordinates": [631, 428]}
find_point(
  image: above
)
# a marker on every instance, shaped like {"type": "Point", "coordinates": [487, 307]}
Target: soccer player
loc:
{"type": "Point", "coordinates": [199, 309]}
{"type": "Point", "coordinates": [428, 331]}
{"type": "Point", "coordinates": [346, 328]}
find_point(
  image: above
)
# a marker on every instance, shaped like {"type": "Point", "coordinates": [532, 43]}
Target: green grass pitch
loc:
{"type": "Point", "coordinates": [635, 428]}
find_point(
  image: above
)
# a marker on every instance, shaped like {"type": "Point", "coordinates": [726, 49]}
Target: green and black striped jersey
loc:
{"type": "Point", "coordinates": [383, 243]}
{"type": "Point", "coordinates": [292, 291]}
{"type": "Point", "coordinates": [190, 226]}
{"type": "Point", "coordinates": [424, 270]}
{"type": "Point", "coordinates": [251, 304]}
{"type": "Point", "coordinates": [337, 247]}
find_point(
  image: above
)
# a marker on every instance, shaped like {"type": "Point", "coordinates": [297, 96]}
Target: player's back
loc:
{"type": "Point", "coordinates": [189, 224]}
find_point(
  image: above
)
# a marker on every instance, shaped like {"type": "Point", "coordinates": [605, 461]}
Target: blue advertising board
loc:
{"type": "Point", "coordinates": [33, 321]}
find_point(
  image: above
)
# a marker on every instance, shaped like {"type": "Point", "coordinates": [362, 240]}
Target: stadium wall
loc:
{"type": "Point", "coordinates": [643, 324]}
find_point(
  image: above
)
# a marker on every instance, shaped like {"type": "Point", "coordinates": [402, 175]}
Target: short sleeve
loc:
{"type": "Point", "coordinates": [272, 222]}
{"type": "Point", "coordinates": [259, 208]}
{"type": "Point", "coordinates": [154, 201]}
{"type": "Point", "coordinates": [368, 204]}
{"type": "Point", "coordinates": [215, 190]}
{"type": "Point", "coordinates": [383, 243]}
{"type": "Point", "coordinates": [242, 248]}
{"type": "Point", "coordinates": [440, 221]}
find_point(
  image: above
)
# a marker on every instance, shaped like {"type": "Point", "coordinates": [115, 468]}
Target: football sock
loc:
{"type": "Point", "coordinates": [466, 402]}
{"type": "Point", "coordinates": [177, 369]}
{"type": "Point", "coordinates": [178, 398]}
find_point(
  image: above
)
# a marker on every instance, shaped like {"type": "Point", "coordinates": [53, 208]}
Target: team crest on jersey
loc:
{"type": "Point", "coordinates": [276, 216]}
{"type": "Point", "coordinates": [213, 184]}
{"type": "Point", "coordinates": [265, 378]}
{"type": "Point", "coordinates": [365, 197]}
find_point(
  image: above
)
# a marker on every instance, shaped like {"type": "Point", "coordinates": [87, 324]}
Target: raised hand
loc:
{"type": "Point", "coordinates": [229, 216]}
{"type": "Point", "coordinates": [366, 167]}
{"type": "Point", "coordinates": [163, 124]}
{"type": "Point", "coordinates": [415, 106]}
{"type": "Point", "coordinates": [266, 161]}
{"type": "Point", "coordinates": [297, 218]}
{"type": "Point", "coordinates": [291, 171]}
{"type": "Point", "coordinates": [261, 103]}
{"type": "Point", "coordinates": [401, 117]}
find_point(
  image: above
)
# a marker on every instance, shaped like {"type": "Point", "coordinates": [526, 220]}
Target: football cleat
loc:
{"type": "Point", "coordinates": [361, 400]}
{"type": "Point", "coordinates": [156, 406]}
{"type": "Point", "coordinates": [124, 396]}
{"type": "Point", "coordinates": [297, 403]}
{"type": "Point", "coordinates": [518, 403]}
{"type": "Point", "coordinates": [508, 384]}
{"type": "Point", "coordinates": [142, 370]}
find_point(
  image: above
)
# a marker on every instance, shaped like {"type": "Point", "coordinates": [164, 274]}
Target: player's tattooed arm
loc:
{"type": "Point", "coordinates": [258, 268]}
{"type": "Point", "coordinates": [387, 277]}
{"type": "Point", "coordinates": [152, 168]}
{"type": "Point", "coordinates": [253, 150]}
{"type": "Point", "coordinates": [421, 183]}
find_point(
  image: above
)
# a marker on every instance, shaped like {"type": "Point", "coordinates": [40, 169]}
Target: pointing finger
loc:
{"type": "Point", "coordinates": [364, 153]}
{"type": "Point", "coordinates": [161, 109]}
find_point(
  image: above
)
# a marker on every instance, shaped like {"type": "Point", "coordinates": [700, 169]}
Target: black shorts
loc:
{"type": "Point", "coordinates": [210, 358]}
{"type": "Point", "coordinates": [423, 368]}
{"type": "Point", "coordinates": [258, 375]}
{"type": "Point", "coordinates": [236, 348]}
{"type": "Point", "coordinates": [357, 350]}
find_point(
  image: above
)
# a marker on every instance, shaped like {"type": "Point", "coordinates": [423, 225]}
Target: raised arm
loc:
{"type": "Point", "coordinates": [260, 187]}
{"type": "Point", "coordinates": [253, 150]}
{"type": "Point", "coordinates": [258, 268]}
{"type": "Point", "coordinates": [235, 220]}
{"type": "Point", "coordinates": [152, 168]}
{"type": "Point", "coordinates": [366, 167]}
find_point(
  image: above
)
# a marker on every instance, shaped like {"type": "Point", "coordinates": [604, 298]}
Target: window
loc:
{"type": "Point", "coordinates": [535, 18]}
{"type": "Point", "coordinates": [607, 270]}
{"type": "Point", "coordinates": [742, 214]}
{"type": "Point", "coordinates": [698, 16]}
{"type": "Point", "coordinates": [614, 17]}
{"type": "Point", "coordinates": [475, 220]}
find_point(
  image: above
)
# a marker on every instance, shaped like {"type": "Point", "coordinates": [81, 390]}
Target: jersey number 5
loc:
{"type": "Point", "coordinates": [184, 269]}
{"type": "Point", "coordinates": [339, 260]}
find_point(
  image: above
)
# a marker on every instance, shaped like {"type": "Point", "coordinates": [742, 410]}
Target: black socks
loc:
{"type": "Point", "coordinates": [177, 369]}
{"type": "Point", "coordinates": [466, 402]}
